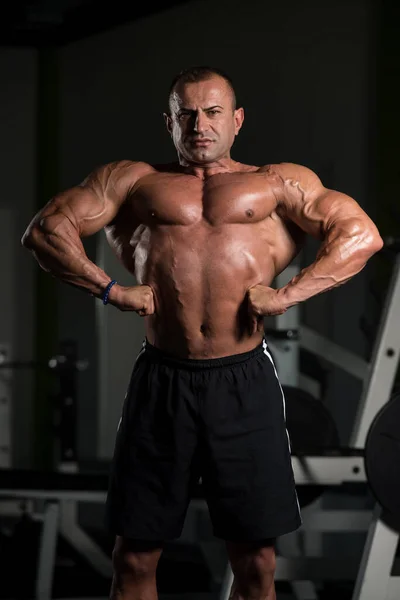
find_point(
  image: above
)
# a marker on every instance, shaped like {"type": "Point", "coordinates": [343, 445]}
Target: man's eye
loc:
{"type": "Point", "coordinates": [213, 112]}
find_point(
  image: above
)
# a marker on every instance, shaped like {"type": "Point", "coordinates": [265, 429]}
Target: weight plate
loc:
{"type": "Point", "coordinates": [382, 456]}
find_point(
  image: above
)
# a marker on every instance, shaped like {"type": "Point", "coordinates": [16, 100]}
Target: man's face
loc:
{"type": "Point", "coordinates": [202, 121]}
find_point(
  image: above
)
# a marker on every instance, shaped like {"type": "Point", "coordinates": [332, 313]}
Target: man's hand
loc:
{"type": "Point", "coordinates": [263, 301]}
{"type": "Point", "coordinates": [138, 298]}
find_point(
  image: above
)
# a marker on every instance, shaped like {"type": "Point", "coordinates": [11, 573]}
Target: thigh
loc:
{"type": "Point", "coordinates": [150, 477]}
{"type": "Point", "coordinates": [247, 472]}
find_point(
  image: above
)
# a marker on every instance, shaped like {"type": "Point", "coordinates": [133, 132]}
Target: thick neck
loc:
{"type": "Point", "coordinates": [203, 171]}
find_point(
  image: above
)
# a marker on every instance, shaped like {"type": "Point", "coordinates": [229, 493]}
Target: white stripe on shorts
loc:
{"type": "Point", "coordinates": [265, 349]}
{"type": "Point", "coordinates": [143, 348]}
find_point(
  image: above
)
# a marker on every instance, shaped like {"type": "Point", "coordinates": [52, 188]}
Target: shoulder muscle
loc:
{"type": "Point", "coordinates": [92, 204]}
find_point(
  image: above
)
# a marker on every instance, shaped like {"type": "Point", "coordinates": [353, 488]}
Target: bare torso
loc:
{"type": "Point", "coordinates": [200, 245]}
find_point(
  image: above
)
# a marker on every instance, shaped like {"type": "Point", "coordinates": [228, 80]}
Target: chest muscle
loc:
{"type": "Point", "coordinates": [187, 201]}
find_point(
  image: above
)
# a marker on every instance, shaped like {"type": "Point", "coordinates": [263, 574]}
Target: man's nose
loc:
{"type": "Point", "coordinates": [200, 122]}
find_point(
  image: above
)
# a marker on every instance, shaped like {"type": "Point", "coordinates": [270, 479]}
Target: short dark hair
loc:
{"type": "Point", "coordinates": [194, 74]}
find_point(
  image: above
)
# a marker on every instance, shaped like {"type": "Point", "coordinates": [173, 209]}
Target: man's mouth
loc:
{"type": "Point", "coordinates": [201, 143]}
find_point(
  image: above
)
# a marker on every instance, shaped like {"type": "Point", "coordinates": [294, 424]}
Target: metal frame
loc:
{"type": "Point", "coordinates": [60, 515]}
{"type": "Point", "coordinates": [334, 353]}
{"type": "Point", "coordinates": [59, 518]}
{"type": "Point", "coordinates": [47, 552]}
{"type": "Point", "coordinates": [384, 362]}
{"type": "Point", "coordinates": [374, 578]}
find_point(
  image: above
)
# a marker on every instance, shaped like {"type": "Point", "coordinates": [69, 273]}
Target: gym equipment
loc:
{"type": "Point", "coordinates": [65, 366]}
{"type": "Point", "coordinates": [312, 431]}
{"type": "Point", "coordinates": [58, 493]}
{"type": "Point", "coordinates": [382, 456]}
{"type": "Point", "coordinates": [311, 427]}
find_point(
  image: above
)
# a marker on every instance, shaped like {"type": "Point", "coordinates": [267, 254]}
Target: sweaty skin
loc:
{"type": "Point", "coordinates": [205, 237]}
{"type": "Point", "coordinates": [200, 245]}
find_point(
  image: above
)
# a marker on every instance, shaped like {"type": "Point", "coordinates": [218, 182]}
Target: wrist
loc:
{"type": "Point", "coordinates": [110, 293]}
{"type": "Point", "coordinates": [283, 295]}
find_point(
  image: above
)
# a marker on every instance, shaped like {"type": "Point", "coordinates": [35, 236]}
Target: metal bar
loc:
{"type": "Point", "coordinates": [47, 553]}
{"type": "Point", "coordinates": [335, 521]}
{"type": "Point", "coordinates": [325, 470]}
{"type": "Point", "coordinates": [393, 592]}
{"type": "Point", "coordinates": [378, 386]}
{"type": "Point", "coordinates": [311, 470]}
{"type": "Point", "coordinates": [82, 543]}
{"type": "Point", "coordinates": [75, 495]}
{"type": "Point", "coordinates": [377, 559]}
{"type": "Point", "coordinates": [335, 354]}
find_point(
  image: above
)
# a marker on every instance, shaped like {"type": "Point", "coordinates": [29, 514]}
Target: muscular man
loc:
{"type": "Point", "coordinates": [205, 238]}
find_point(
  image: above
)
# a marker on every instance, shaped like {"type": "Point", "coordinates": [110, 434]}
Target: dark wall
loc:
{"type": "Point", "coordinates": [17, 200]}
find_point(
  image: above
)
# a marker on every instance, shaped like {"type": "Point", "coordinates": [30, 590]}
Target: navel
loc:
{"type": "Point", "coordinates": [205, 329]}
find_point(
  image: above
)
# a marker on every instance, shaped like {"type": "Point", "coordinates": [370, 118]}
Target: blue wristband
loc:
{"type": "Point", "coordinates": [107, 291]}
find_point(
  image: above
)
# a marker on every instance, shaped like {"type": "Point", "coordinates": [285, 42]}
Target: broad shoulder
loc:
{"type": "Point", "coordinates": [291, 172]}
{"type": "Point", "coordinates": [120, 174]}
{"type": "Point", "coordinates": [293, 184]}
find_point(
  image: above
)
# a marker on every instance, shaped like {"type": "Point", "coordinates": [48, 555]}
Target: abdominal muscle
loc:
{"type": "Point", "coordinates": [200, 281]}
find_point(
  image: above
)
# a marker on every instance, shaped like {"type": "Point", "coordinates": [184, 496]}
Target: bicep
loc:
{"type": "Point", "coordinates": [315, 209]}
{"type": "Point", "coordinates": [88, 207]}
{"type": "Point", "coordinates": [80, 207]}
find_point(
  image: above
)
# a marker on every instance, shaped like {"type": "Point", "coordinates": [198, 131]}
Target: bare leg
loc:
{"type": "Point", "coordinates": [253, 565]}
{"type": "Point", "coordinates": [135, 565]}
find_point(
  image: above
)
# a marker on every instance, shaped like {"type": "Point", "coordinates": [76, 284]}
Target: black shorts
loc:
{"type": "Point", "coordinates": [221, 420]}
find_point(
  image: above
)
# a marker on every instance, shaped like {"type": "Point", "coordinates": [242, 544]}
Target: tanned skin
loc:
{"type": "Point", "coordinates": [205, 238]}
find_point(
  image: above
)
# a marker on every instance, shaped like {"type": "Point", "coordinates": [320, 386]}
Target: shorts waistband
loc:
{"type": "Point", "coordinates": [158, 355]}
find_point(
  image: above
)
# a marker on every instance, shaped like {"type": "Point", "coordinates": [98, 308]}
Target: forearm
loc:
{"type": "Point", "coordinates": [342, 255]}
{"type": "Point", "coordinates": [61, 253]}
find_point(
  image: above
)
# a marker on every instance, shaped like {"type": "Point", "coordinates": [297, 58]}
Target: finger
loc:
{"type": "Point", "coordinates": [151, 308]}
{"type": "Point", "coordinates": [148, 306]}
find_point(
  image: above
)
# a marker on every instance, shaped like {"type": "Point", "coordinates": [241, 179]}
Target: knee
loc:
{"type": "Point", "coordinates": [256, 567]}
{"type": "Point", "coordinates": [134, 563]}
{"type": "Point", "coordinates": [265, 562]}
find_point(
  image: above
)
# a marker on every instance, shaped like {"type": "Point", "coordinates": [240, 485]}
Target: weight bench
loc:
{"type": "Point", "coordinates": [60, 493]}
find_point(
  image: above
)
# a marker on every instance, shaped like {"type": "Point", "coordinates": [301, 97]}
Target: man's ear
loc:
{"type": "Point", "coordinates": [239, 118]}
{"type": "Point", "coordinates": [168, 122]}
